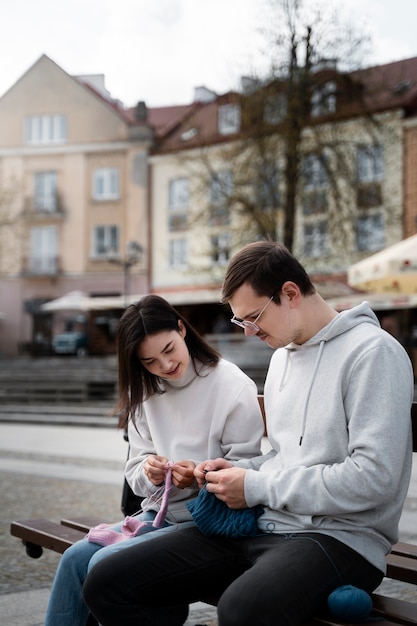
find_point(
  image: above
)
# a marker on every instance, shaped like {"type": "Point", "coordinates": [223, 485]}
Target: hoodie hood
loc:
{"type": "Point", "coordinates": [342, 323]}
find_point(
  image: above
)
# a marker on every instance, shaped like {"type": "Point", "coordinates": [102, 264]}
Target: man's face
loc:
{"type": "Point", "coordinates": [276, 324]}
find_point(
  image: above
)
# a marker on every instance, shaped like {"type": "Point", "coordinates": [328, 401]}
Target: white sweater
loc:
{"type": "Point", "coordinates": [215, 414]}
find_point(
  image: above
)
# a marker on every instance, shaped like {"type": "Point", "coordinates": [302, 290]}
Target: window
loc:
{"type": "Point", "coordinates": [45, 129]}
{"type": "Point", "coordinates": [275, 109]}
{"type": "Point", "coordinates": [229, 119]}
{"type": "Point", "coordinates": [105, 240]}
{"type": "Point", "coordinates": [178, 201]}
{"type": "Point", "coordinates": [45, 192]}
{"type": "Point", "coordinates": [106, 184]}
{"type": "Point", "coordinates": [221, 187]}
{"type": "Point", "coordinates": [314, 172]}
{"type": "Point", "coordinates": [178, 253]}
{"type": "Point", "coordinates": [323, 99]}
{"type": "Point", "coordinates": [316, 239]}
{"type": "Point", "coordinates": [370, 163]}
{"type": "Point", "coordinates": [178, 193]}
{"type": "Point", "coordinates": [43, 250]}
{"type": "Point", "coordinates": [369, 195]}
{"type": "Point", "coordinates": [267, 187]}
{"type": "Point", "coordinates": [315, 180]}
{"type": "Point", "coordinates": [220, 248]}
{"type": "Point", "coordinates": [370, 235]}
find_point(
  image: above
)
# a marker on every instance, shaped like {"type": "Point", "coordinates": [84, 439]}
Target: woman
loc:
{"type": "Point", "coordinates": [184, 404]}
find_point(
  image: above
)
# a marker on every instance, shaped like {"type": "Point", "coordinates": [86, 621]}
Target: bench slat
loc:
{"type": "Point", "coordinates": [400, 611]}
{"type": "Point", "coordinates": [402, 568]}
{"type": "Point", "coordinates": [46, 534]}
{"type": "Point", "coordinates": [83, 523]}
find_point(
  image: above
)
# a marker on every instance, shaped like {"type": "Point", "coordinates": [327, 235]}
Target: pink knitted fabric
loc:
{"type": "Point", "coordinates": [104, 535]}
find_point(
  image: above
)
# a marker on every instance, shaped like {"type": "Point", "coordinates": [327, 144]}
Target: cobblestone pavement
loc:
{"type": "Point", "coordinates": [25, 496]}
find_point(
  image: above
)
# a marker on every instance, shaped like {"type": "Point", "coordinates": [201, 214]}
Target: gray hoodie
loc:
{"type": "Point", "coordinates": [338, 420]}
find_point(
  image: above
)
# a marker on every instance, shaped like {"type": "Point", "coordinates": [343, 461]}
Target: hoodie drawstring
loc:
{"type": "Point", "coordinates": [316, 366]}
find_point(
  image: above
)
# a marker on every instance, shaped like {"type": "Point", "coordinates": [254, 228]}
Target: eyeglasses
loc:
{"type": "Point", "coordinates": [251, 327]}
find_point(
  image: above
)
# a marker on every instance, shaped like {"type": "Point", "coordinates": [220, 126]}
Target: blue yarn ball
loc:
{"type": "Point", "coordinates": [350, 604]}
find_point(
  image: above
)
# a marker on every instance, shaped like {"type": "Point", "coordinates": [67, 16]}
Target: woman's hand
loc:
{"type": "Point", "coordinates": [183, 474]}
{"type": "Point", "coordinates": [155, 468]}
{"type": "Point", "coordinates": [209, 466]}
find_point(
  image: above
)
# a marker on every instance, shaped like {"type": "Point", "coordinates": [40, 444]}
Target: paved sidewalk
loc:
{"type": "Point", "coordinates": [54, 469]}
{"type": "Point", "coordinates": [27, 608]}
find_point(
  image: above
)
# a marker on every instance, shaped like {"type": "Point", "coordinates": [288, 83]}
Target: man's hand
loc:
{"type": "Point", "coordinates": [228, 485]}
{"type": "Point", "coordinates": [183, 474]}
{"type": "Point", "coordinates": [209, 466]}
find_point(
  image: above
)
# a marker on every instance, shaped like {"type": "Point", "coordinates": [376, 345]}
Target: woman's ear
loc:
{"type": "Point", "coordinates": [182, 329]}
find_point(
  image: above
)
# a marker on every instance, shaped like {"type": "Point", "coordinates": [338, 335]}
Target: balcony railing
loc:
{"type": "Point", "coordinates": [41, 266]}
{"type": "Point", "coordinates": [35, 208]}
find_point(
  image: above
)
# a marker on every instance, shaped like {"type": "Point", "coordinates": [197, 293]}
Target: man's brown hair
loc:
{"type": "Point", "coordinates": [265, 266]}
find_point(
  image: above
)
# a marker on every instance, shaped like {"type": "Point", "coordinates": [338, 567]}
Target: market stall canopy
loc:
{"type": "Point", "coordinates": [80, 301]}
{"type": "Point", "coordinates": [377, 301]}
{"type": "Point", "coordinates": [393, 269]}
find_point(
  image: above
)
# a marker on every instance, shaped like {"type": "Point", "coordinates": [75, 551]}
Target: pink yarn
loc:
{"type": "Point", "coordinates": [104, 535]}
{"type": "Point", "coordinates": [160, 518]}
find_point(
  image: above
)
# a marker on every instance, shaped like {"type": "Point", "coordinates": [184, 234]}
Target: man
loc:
{"type": "Point", "coordinates": [337, 397]}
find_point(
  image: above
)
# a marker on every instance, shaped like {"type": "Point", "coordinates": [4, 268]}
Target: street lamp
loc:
{"type": "Point", "coordinates": [133, 256]}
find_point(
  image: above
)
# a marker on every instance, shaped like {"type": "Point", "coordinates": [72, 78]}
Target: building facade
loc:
{"type": "Point", "coordinates": [115, 202]}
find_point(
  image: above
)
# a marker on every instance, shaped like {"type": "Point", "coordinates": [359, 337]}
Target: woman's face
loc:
{"type": "Point", "coordinates": [165, 354]}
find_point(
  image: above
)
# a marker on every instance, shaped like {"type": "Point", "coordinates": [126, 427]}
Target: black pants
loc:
{"type": "Point", "coordinates": [270, 580]}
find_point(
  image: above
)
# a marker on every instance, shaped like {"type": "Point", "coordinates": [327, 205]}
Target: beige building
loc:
{"type": "Point", "coordinates": [73, 205]}
{"type": "Point", "coordinates": [112, 201]}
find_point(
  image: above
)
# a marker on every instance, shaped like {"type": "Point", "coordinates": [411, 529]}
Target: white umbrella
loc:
{"type": "Point", "coordinates": [80, 301]}
{"type": "Point", "coordinates": [393, 269]}
{"type": "Point", "coordinates": [72, 301]}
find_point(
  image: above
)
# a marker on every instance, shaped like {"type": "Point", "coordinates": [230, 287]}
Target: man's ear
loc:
{"type": "Point", "coordinates": [291, 291]}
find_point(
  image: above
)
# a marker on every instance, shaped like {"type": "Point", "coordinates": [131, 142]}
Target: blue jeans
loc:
{"type": "Point", "coordinates": [267, 580]}
{"type": "Point", "coordinates": [66, 606]}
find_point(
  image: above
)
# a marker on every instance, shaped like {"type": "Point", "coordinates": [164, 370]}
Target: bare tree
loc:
{"type": "Point", "coordinates": [10, 229]}
{"type": "Point", "coordinates": [294, 164]}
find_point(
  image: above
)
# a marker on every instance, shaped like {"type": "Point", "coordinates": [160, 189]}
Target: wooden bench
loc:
{"type": "Point", "coordinates": [39, 534]}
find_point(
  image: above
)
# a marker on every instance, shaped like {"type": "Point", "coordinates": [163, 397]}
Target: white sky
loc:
{"type": "Point", "coordinates": [159, 50]}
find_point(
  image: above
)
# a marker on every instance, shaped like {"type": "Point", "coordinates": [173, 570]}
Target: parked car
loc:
{"type": "Point", "coordinates": [71, 342]}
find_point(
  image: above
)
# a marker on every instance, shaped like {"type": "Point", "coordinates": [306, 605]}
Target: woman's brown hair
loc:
{"type": "Point", "coordinates": [149, 316]}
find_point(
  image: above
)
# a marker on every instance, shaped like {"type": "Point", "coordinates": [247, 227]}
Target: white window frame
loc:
{"type": "Point", "coordinates": [105, 240]}
{"type": "Point", "coordinates": [45, 199]}
{"type": "Point", "coordinates": [178, 253]}
{"type": "Point", "coordinates": [178, 193]}
{"type": "Point", "coordinates": [106, 184]}
{"type": "Point", "coordinates": [316, 239]}
{"type": "Point", "coordinates": [370, 232]}
{"type": "Point", "coordinates": [43, 250]}
{"type": "Point", "coordinates": [370, 163]}
{"type": "Point", "coordinates": [229, 119]}
{"type": "Point", "coordinates": [45, 129]}
{"type": "Point", "coordinates": [220, 248]}
{"type": "Point", "coordinates": [315, 172]}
